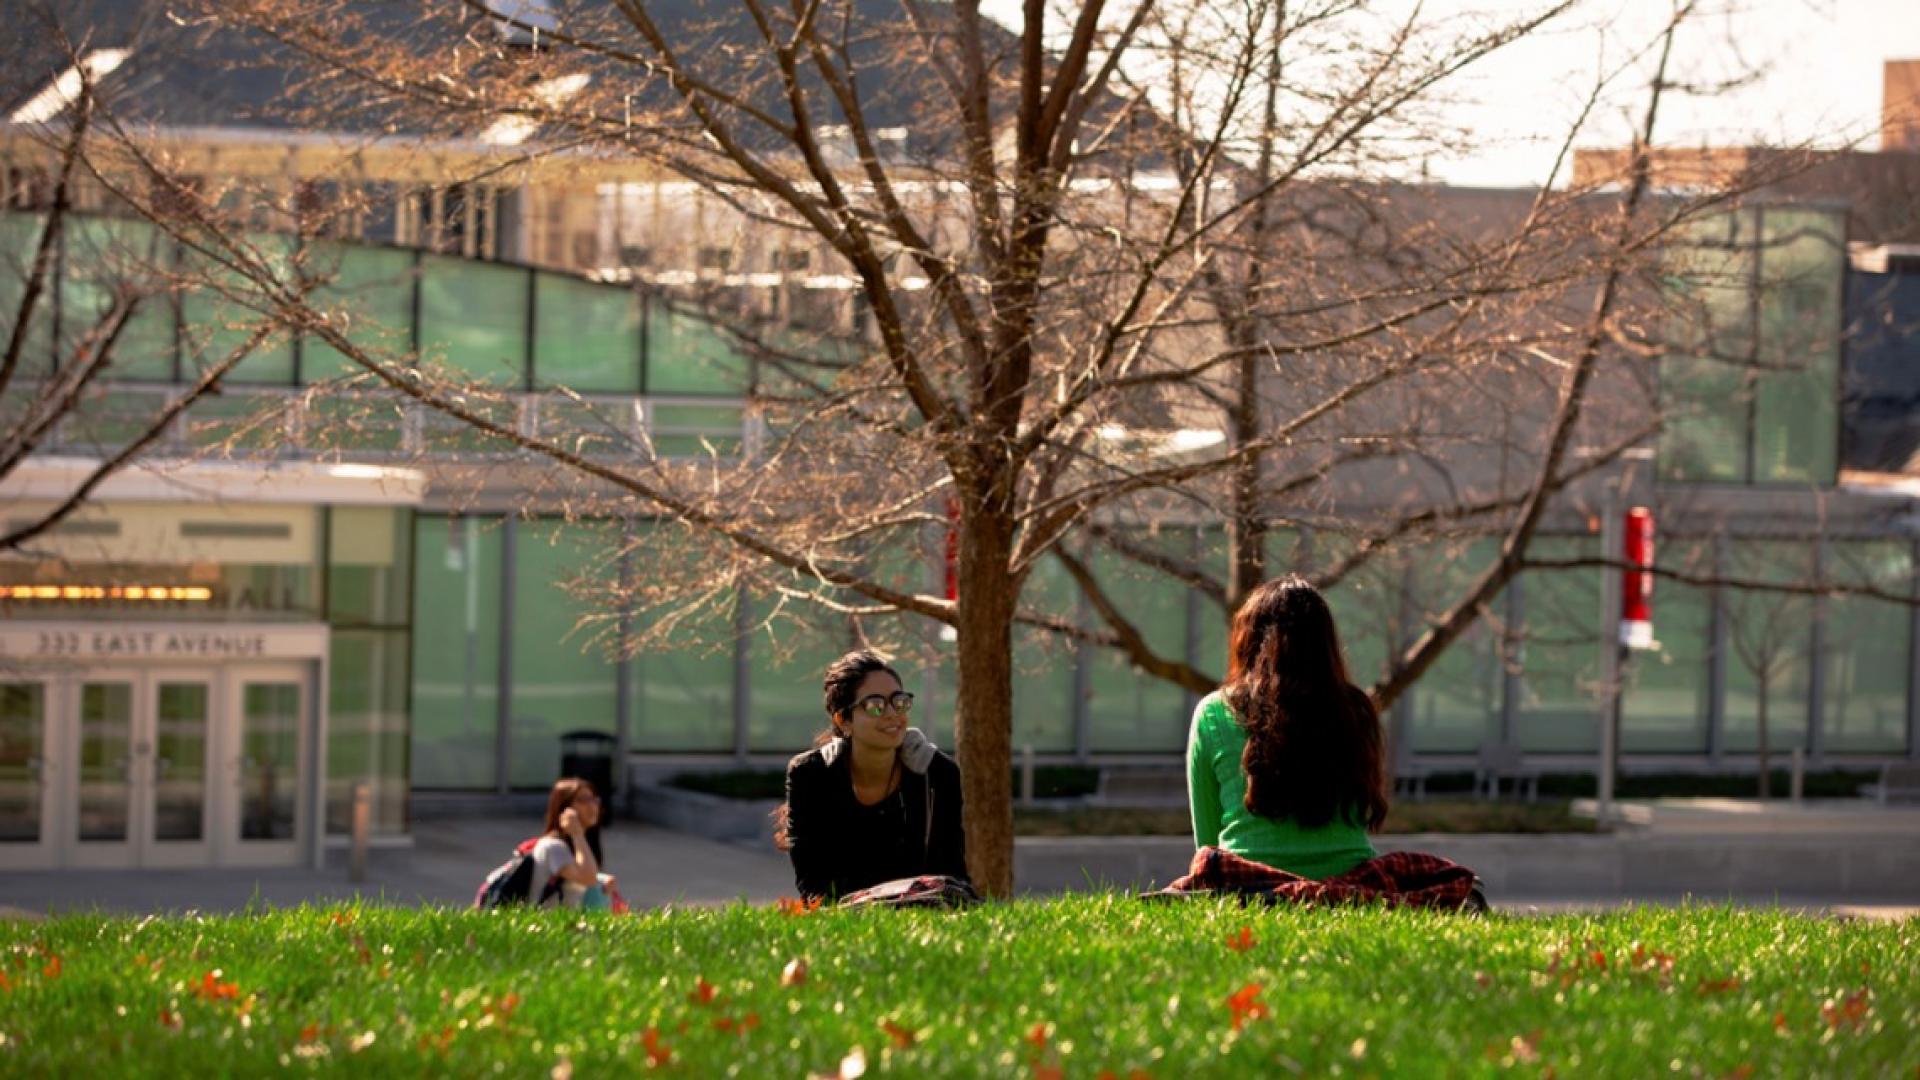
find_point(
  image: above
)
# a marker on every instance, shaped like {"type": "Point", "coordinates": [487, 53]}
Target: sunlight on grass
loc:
{"type": "Point", "coordinates": [1081, 986]}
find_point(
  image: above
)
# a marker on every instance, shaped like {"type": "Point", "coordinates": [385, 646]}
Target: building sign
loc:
{"type": "Point", "coordinates": [134, 641]}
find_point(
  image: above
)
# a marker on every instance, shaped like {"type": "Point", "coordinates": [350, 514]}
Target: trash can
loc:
{"type": "Point", "coordinates": [588, 755]}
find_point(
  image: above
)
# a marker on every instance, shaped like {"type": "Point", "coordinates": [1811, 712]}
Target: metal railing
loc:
{"type": "Point", "coordinates": [285, 423]}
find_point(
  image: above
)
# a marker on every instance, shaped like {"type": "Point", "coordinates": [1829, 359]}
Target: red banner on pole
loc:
{"type": "Point", "coordinates": [1636, 580]}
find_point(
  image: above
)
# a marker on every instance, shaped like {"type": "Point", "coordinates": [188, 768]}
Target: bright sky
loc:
{"type": "Point", "coordinates": [1816, 67]}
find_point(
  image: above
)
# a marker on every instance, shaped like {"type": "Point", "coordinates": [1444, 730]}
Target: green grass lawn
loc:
{"type": "Point", "coordinates": [1078, 987]}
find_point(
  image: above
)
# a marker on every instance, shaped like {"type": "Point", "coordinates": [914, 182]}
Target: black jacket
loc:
{"type": "Point", "coordinates": [839, 846]}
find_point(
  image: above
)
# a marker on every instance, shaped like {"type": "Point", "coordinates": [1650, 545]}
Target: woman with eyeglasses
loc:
{"type": "Point", "coordinates": [873, 801]}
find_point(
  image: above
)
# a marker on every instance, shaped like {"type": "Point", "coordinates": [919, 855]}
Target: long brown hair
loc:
{"type": "Point", "coordinates": [1314, 747]}
{"type": "Point", "coordinates": [565, 790]}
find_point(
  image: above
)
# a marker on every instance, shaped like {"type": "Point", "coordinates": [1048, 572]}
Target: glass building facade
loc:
{"type": "Point", "coordinates": [465, 644]}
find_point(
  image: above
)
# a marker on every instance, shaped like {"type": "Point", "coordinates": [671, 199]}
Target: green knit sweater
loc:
{"type": "Point", "coordinates": [1217, 792]}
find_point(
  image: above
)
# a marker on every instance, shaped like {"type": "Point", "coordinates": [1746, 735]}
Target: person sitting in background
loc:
{"type": "Point", "coordinates": [874, 800]}
{"type": "Point", "coordinates": [1286, 762]}
{"type": "Point", "coordinates": [567, 854]}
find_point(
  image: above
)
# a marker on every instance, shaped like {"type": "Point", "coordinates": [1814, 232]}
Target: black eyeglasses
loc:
{"type": "Point", "coordinates": [877, 705]}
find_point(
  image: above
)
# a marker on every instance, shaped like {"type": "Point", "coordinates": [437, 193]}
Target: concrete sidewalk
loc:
{"type": "Point", "coordinates": [444, 866]}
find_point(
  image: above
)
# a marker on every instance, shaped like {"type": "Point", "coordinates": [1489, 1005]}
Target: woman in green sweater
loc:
{"type": "Point", "coordinates": [1285, 763]}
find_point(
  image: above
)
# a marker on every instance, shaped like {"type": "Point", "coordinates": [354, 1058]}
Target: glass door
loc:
{"type": "Point", "coordinates": [101, 708]}
{"type": "Point", "coordinates": [142, 744]}
{"type": "Point", "coordinates": [26, 786]}
{"type": "Point", "coordinates": [268, 748]}
{"type": "Point", "coordinates": [177, 748]}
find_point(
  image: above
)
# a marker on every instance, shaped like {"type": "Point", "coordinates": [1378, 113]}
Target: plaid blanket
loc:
{"type": "Point", "coordinates": [1398, 879]}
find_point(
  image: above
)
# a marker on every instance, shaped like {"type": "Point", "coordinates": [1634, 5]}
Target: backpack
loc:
{"type": "Point", "coordinates": [512, 881]}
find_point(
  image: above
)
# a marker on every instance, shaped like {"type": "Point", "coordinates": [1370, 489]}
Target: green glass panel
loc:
{"type": "Point", "coordinates": [1704, 404]}
{"type": "Point", "coordinates": [1796, 414]}
{"type": "Point", "coordinates": [355, 421]}
{"type": "Point", "coordinates": [106, 758]}
{"type": "Point", "coordinates": [180, 761]}
{"type": "Point", "coordinates": [1043, 664]}
{"type": "Point", "coordinates": [269, 760]}
{"type": "Point", "coordinates": [108, 419]}
{"type": "Point", "coordinates": [236, 421]}
{"type": "Point", "coordinates": [686, 355]}
{"type": "Point", "coordinates": [106, 257]}
{"type": "Point", "coordinates": [456, 651]}
{"type": "Point", "coordinates": [563, 676]}
{"type": "Point", "coordinates": [474, 316]}
{"type": "Point", "coordinates": [791, 648]}
{"type": "Point", "coordinates": [602, 427]}
{"type": "Point", "coordinates": [1456, 703]}
{"type": "Point", "coordinates": [1668, 689]}
{"type": "Point", "coordinates": [1769, 636]}
{"type": "Point", "coordinates": [1127, 709]}
{"type": "Point", "coordinates": [1560, 652]}
{"type": "Point", "coordinates": [682, 669]}
{"type": "Point", "coordinates": [371, 288]}
{"type": "Point", "coordinates": [586, 335]}
{"type": "Point", "coordinates": [681, 430]}
{"type": "Point", "coordinates": [367, 571]}
{"type": "Point", "coordinates": [19, 238]}
{"type": "Point", "coordinates": [1706, 381]}
{"type": "Point", "coordinates": [23, 757]}
{"type": "Point", "coordinates": [213, 325]}
{"type": "Point", "coordinates": [367, 727]}
{"type": "Point", "coordinates": [1867, 648]}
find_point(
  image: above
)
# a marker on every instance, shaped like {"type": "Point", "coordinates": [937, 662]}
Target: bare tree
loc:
{"type": "Point", "coordinates": [1067, 272]}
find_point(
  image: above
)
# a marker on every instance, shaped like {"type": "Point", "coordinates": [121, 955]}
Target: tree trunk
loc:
{"type": "Point", "coordinates": [984, 722]}
{"type": "Point", "coordinates": [1247, 531]}
{"type": "Point", "coordinates": [1765, 770]}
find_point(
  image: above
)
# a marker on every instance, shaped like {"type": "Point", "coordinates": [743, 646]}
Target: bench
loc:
{"type": "Point", "coordinates": [1409, 774]}
{"type": "Point", "coordinates": [1501, 762]}
{"type": "Point", "coordinates": [1898, 783]}
{"type": "Point", "coordinates": [1140, 786]}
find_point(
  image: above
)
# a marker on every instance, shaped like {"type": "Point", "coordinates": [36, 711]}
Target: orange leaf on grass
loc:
{"type": "Point", "coordinates": [1245, 1005]}
{"type": "Point", "coordinates": [1038, 1036]}
{"type": "Point", "coordinates": [902, 1037]}
{"type": "Point", "coordinates": [794, 974]}
{"type": "Point", "coordinates": [1242, 941]}
{"type": "Point", "coordinates": [1045, 1071]}
{"type": "Point", "coordinates": [658, 1053]}
{"type": "Point", "coordinates": [789, 905]}
{"type": "Point", "coordinates": [703, 991]}
{"type": "Point", "coordinates": [52, 970]}
{"type": "Point", "coordinates": [211, 988]}
{"type": "Point", "coordinates": [1851, 1012]}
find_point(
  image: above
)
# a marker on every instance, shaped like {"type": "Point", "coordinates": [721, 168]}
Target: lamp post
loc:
{"type": "Point", "coordinates": [1632, 629]}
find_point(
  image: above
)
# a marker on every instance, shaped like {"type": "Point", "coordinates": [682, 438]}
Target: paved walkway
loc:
{"type": "Point", "coordinates": [656, 867]}
{"type": "Point", "coordinates": [444, 866]}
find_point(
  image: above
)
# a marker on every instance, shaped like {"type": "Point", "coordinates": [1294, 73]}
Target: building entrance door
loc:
{"type": "Point", "coordinates": [161, 746]}
{"type": "Point", "coordinates": [141, 748]}
{"type": "Point", "coordinates": [27, 806]}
